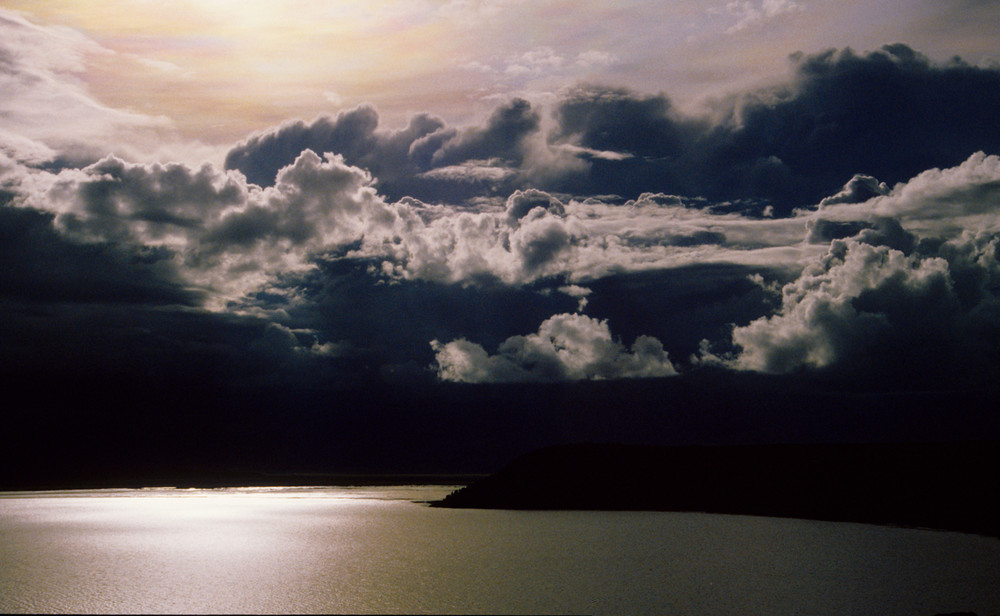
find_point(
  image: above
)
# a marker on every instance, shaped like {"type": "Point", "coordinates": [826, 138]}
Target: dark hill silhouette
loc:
{"type": "Point", "coordinates": [943, 486]}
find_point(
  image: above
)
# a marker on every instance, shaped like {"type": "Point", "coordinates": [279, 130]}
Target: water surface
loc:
{"type": "Point", "coordinates": [379, 550]}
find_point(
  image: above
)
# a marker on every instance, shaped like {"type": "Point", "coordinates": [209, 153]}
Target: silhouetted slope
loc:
{"type": "Point", "coordinates": [943, 486]}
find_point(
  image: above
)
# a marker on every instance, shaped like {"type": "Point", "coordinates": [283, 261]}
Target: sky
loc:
{"type": "Point", "coordinates": [320, 223]}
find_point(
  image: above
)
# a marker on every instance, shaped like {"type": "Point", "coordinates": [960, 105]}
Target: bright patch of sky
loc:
{"type": "Point", "coordinates": [219, 69]}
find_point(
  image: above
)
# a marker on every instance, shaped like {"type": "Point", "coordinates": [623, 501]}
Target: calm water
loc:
{"type": "Point", "coordinates": [376, 550]}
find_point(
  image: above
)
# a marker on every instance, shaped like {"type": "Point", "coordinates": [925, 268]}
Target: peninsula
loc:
{"type": "Point", "coordinates": [945, 486]}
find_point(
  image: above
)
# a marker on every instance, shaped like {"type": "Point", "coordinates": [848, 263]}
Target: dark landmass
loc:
{"type": "Point", "coordinates": [234, 479]}
{"type": "Point", "coordinates": [74, 431]}
{"type": "Point", "coordinates": [945, 486]}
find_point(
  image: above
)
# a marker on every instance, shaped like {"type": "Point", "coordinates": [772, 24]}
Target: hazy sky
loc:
{"type": "Point", "coordinates": [218, 68]}
{"type": "Point", "coordinates": [327, 194]}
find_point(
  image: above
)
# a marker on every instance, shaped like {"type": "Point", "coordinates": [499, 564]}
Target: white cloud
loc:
{"type": "Point", "coordinates": [750, 14]}
{"type": "Point", "coordinates": [578, 292]}
{"type": "Point", "coordinates": [594, 58]}
{"type": "Point", "coordinates": [819, 321]}
{"type": "Point", "coordinates": [566, 347]}
{"type": "Point", "coordinates": [229, 237]}
{"type": "Point", "coordinates": [471, 171]}
{"type": "Point", "coordinates": [934, 203]}
{"type": "Point", "coordinates": [48, 110]}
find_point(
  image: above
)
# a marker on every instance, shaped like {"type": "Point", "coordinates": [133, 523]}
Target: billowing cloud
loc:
{"type": "Point", "coordinates": [889, 114]}
{"type": "Point", "coordinates": [908, 285]}
{"type": "Point", "coordinates": [422, 160]}
{"type": "Point", "coordinates": [566, 347]}
{"type": "Point", "coordinates": [354, 134]}
{"type": "Point", "coordinates": [228, 237]}
{"type": "Point", "coordinates": [590, 202]}
{"type": "Point", "coordinates": [855, 298]}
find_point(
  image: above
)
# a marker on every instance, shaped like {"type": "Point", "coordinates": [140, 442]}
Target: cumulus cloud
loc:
{"type": "Point", "coordinates": [426, 159]}
{"type": "Point", "coordinates": [859, 189]}
{"type": "Point", "coordinates": [595, 203]}
{"type": "Point", "coordinates": [938, 202]}
{"type": "Point", "coordinates": [566, 347]}
{"type": "Point", "coordinates": [854, 298]}
{"type": "Point", "coordinates": [535, 235]}
{"type": "Point", "coordinates": [226, 236]}
{"type": "Point", "coordinates": [578, 292]}
{"type": "Point", "coordinates": [888, 114]}
{"type": "Point", "coordinates": [354, 134]}
{"type": "Point", "coordinates": [208, 229]}
{"type": "Point", "coordinates": [908, 284]}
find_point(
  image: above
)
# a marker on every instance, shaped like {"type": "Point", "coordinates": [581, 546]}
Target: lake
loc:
{"type": "Point", "coordinates": [381, 550]}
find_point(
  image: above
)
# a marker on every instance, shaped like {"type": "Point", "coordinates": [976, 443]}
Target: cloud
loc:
{"type": "Point", "coordinates": [535, 235]}
{"type": "Point", "coordinates": [595, 58]}
{"type": "Point", "coordinates": [566, 347]}
{"type": "Point", "coordinates": [224, 235]}
{"type": "Point", "coordinates": [47, 109]}
{"type": "Point", "coordinates": [889, 114]}
{"type": "Point", "coordinates": [260, 249]}
{"type": "Point", "coordinates": [502, 137]}
{"type": "Point", "coordinates": [353, 134]}
{"type": "Point", "coordinates": [333, 232]}
{"type": "Point", "coordinates": [39, 264]}
{"type": "Point", "coordinates": [579, 292]}
{"type": "Point", "coordinates": [859, 189]}
{"type": "Point", "coordinates": [938, 202]}
{"type": "Point", "coordinates": [750, 14]}
{"type": "Point", "coordinates": [426, 159]}
{"type": "Point", "coordinates": [534, 62]}
{"type": "Point", "coordinates": [843, 308]}
{"type": "Point", "coordinates": [907, 287]}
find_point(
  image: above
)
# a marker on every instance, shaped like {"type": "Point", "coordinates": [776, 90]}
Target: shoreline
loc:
{"type": "Point", "coordinates": [935, 486]}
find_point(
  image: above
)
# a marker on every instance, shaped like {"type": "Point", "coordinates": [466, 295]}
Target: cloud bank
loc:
{"type": "Point", "coordinates": [845, 220]}
{"type": "Point", "coordinates": [786, 146]}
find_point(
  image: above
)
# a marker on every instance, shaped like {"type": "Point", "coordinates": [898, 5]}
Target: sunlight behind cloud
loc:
{"type": "Point", "coordinates": [222, 68]}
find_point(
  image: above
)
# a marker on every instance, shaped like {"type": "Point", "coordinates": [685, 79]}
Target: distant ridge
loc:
{"type": "Point", "coordinates": [946, 486]}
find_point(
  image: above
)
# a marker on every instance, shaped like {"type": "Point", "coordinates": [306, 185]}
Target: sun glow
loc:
{"type": "Point", "coordinates": [221, 67]}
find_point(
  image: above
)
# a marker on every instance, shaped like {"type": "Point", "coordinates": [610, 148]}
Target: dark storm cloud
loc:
{"type": "Point", "coordinates": [888, 114]}
{"type": "Point", "coordinates": [100, 342]}
{"type": "Point", "coordinates": [354, 134]}
{"type": "Point", "coordinates": [399, 159]}
{"type": "Point", "coordinates": [347, 299]}
{"type": "Point", "coordinates": [618, 120]}
{"type": "Point", "coordinates": [502, 137]}
{"type": "Point", "coordinates": [39, 264]}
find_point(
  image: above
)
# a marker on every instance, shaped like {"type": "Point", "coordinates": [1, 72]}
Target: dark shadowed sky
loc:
{"type": "Point", "coordinates": [430, 235]}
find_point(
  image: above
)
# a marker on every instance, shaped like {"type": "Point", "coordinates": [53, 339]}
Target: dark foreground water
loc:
{"type": "Point", "coordinates": [375, 550]}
